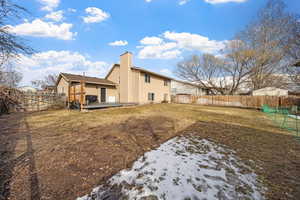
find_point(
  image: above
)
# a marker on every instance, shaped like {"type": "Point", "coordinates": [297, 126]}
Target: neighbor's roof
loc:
{"type": "Point", "coordinates": [269, 89]}
{"type": "Point", "coordinates": [188, 83]}
{"type": "Point", "coordinates": [87, 79]}
{"type": "Point", "coordinates": [292, 91]}
{"type": "Point", "coordinates": [26, 88]}
{"type": "Point", "coordinates": [50, 87]}
{"type": "Point", "coordinates": [140, 69]}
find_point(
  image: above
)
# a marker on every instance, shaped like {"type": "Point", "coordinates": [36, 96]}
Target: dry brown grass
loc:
{"type": "Point", "coordinates": [74, 151]}
{"type": "Point", "coordinates": [185, 115]}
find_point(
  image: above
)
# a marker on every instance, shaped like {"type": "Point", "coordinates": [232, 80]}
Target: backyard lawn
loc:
{"type": "Point", "coordinates": [65, 154]}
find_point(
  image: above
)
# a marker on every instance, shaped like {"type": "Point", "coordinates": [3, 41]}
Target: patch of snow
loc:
{"type": "Point", "coordinates": [183, 168]}
{"type": "Point", "coordinates": [294, 116]}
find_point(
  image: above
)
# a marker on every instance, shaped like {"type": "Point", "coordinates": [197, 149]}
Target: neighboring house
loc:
{"type": "Point", "coordinates": [50, 89]}
{"type": "Point", "coordinates": [27, 89]}
{"type": "Point", "coordinates": [97, 89]}
{"type": "Point", "coordinates": [137, 85]}
{"type": "Point", "coordinates": [124, 83]}
{"type": "Point", "coordinates": [273, 91]}
{"type": "Point", "coordinates": [181, 87]}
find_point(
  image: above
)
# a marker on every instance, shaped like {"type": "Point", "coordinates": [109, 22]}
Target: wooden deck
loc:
{"type": "Point", "coordinates": [106, 105]}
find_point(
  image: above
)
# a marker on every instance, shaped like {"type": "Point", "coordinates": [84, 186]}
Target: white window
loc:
{"type": "Point", "coordinates": [151, 96]}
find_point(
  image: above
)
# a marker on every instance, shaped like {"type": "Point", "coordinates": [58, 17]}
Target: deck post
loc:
{"type": "Point", "coordinates": [82, 94]}
{"type": "Point", "coordinates": [69, 94]}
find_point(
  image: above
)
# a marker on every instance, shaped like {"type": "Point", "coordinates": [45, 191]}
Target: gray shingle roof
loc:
{"type": "Point", "coordinates": [87, 79]}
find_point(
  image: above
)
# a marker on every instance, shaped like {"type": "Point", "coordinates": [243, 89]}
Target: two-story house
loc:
{"type": "Point", "coordinates": [138, 85]}
{"type": "Point", "coordinates": [124, 83]}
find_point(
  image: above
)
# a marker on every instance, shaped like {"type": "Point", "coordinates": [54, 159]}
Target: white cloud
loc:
{"type": "Point", "coordinates": [96, 15]}
{"type": "Point", "coordinates": [151, 40]}
{"type": "Point", "coordinates": [166, 71]}
{"type": "Point", "coordinates": [38, 65]}
{"type": "Point", "coordinates": [224, 1]}
{"type": "Point", "coordinates": [55, 16]}
{"type": "Point", "coordinates": [119, 43]}
{"type": "Point", "coordinates": [195, 42]}
{"type": "Point", "coordinates": [160, 51]}
{"type": "Point", "coordinates": [49, 5]}
{"type": "Point", "coordinates": [72, 10]}
{"type": "Point", "coordinates": [39, 28]}
{"type": "Point", "coordinates": [172, 44]}
{"type": "Point", "coordinates": [182, 2]}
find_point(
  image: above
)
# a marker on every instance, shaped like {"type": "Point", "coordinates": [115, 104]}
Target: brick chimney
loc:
{"type": "Point", "coordinates": [125, 70]}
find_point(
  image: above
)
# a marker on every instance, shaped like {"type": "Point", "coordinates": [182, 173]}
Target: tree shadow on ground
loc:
{"type": "Point", "coordinates": [276, 156]}
{"type": "Point", "coordinates": [14, 128]}
{"type": "Point", "coordinates": [91, 155]}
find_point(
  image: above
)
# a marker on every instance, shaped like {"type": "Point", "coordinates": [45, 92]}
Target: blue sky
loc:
{"type": "Point", "coordinates": [89, 35]}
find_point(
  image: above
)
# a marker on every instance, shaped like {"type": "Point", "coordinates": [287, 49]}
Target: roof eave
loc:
{"type": "Point", "coordinates": [96, 83]}
{"type": "Point", "coordinates": [111, 69]}
{"type": "Point", "coordinates": [154, 73]}
{"type": "Point", "coordinates": [59, 78]}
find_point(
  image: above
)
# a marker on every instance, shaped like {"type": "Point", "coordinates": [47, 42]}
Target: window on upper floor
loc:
{"type": "Point", "coordinates": [147, 78]}
{"type": "Point", "coordinates": [166, 82]}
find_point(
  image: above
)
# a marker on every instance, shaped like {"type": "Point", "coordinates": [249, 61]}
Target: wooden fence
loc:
{"type": "Point", "coordinates": [13, 100]}
{"type": "Point", "coordinates": [42, 101]}
{"type": "Point", "coordinates": [240, 101]}
{"type": "Point", "coordinates": [9, 99]}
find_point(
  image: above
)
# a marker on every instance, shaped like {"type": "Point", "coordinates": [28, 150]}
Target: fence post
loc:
{"type": "Point", "coordinates": [227, 100]}
{"type": "Point", "coordinates": [279, 102]}
{"type": "Point", "coordinates": [38, 102]}
{"type": "Point", "coordinates": [297, 125]}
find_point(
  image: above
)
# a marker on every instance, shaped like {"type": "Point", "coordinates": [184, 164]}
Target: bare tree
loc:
{"type": "Point", "coordinates": [291, 45]}
{"type": "Point", "coordinates": [223, 75]}
{"type": "Point", "coordinates": [294, 72]}
{"type": "Point", "coordinates": [256, 58]}
{"type": "Point", "coordinates": [207, 71]}
{"type": "Point", "coordinates": [10, 77]}
{"type": "Point", "coordinates": [11, 46]}
{"type": "Point", "coordinates": [238, 59]}
{"type": "Point", "coordinates": [265, 68]}
{"type": "Point", "coordinates": [49, 80]}
{"type": "Point", "coordinates": [266, 37]}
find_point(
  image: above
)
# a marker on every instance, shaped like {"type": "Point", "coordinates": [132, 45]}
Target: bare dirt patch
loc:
{"type": "Point", "coordinates": [275, 157]}
{"type": "Point", "coordinates": [64, 154]}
